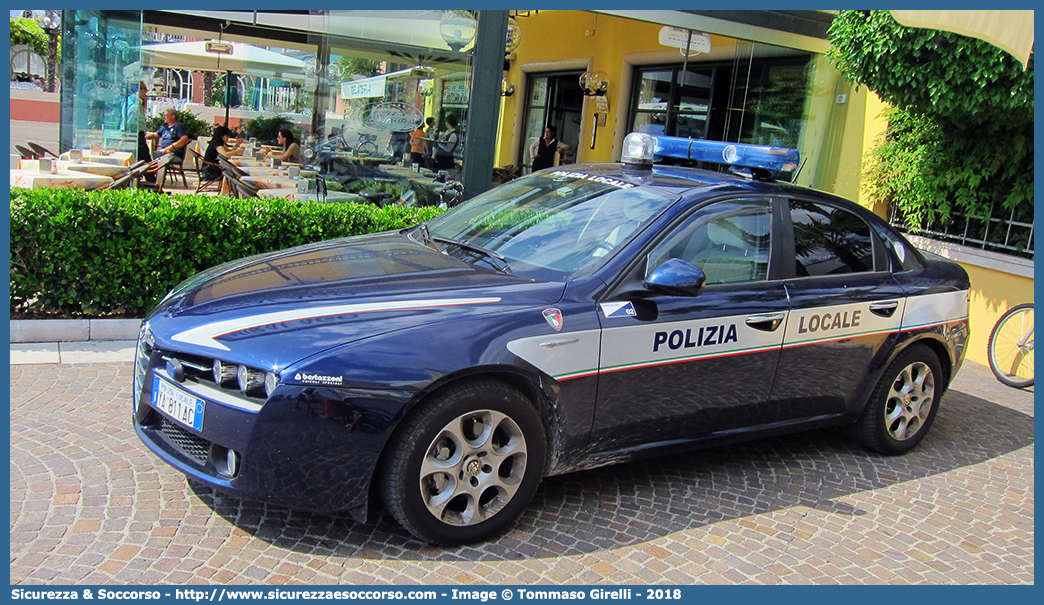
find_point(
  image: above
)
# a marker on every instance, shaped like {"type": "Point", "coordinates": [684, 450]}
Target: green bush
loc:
{"type": "Point", "coordinates": [194, 126]}
{"type": "Point", "coordinates": [29, 33]}
{"type": "Point", "coordinates": [960, 135]}
{"type": "Point", "coordinates": [266, 129]}
{"type": "Point", "coordinates": [117, 253]}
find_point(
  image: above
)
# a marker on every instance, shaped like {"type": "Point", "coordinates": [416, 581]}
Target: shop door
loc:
{"type": "Point", "coordinates": [555, 99]}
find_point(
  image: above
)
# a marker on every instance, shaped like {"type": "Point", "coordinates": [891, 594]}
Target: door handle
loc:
{"type": "Point", "coordinates": [884, 308]}
{"type": "Point", "coordinates": [766, 321]}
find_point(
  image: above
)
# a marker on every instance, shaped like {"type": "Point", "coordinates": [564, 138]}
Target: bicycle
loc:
{"type": "Point", "coordinates": [367, 145]}
{"type": "Point", "coordinates": [1010, 349]}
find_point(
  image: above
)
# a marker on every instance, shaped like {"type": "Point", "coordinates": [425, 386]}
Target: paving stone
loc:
{"type": "Point", "coordinates": [90, 504]}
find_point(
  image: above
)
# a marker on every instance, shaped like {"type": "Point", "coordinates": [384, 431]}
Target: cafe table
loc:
{"type": "Point", "coordinates": [264, 171]}
{"type": "Point", "coordinates": [109, 170]}
{"type": "Point", "coordinates": [120, 158]}
{"type": "Point", "coordinates": [248, 162]}
{"type": "Point", "coordinates": [415, 178]}
{"type": "Point", "coordinates": [293, 194]}
{"type": "Point", "coordinates": [270, 182]}
{"type": "Point", "coordinates": [362, 160]}
{"type": "Point", "coordinates": [34, 179]}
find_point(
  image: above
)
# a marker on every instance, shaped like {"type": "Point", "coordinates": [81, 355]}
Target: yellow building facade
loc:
{"type": "Point", "coordinates": [839, 122]}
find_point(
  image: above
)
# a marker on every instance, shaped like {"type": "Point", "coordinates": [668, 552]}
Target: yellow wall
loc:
{"type": "Point", "coordinates": [837, 135]}
{"type": "Point", "coordinates": [993, 293]}
{"type": "Point", "coordinates": [579, 40]}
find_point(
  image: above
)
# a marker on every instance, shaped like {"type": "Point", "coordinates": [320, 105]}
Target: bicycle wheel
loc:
{"type": "Point", "coordinates": [1011, 347]}
{"type": "Point", "coordinates": [367, 149]}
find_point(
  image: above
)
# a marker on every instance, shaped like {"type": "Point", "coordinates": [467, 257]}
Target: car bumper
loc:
{"type": "Point", "coordinates": [307, 448]}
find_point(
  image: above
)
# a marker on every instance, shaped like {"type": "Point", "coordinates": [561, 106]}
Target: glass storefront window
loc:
{"type": "Point", "coordinates": [761, 100]}
{"type": "Point", "coordinates": [394, 72]}
{"type": "Point", "coordinates": [101, 73]}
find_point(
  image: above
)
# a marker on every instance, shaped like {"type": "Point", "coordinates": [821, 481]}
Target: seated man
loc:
{"type": "Point", "coordinates": [172, 136]}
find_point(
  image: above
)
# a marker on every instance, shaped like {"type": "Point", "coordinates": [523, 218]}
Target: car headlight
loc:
{"type": "Point", "coordinates": [250, 380]}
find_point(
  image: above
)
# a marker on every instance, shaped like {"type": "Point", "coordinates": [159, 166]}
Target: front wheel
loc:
{"type": "Point", "coordinates": [903, 404]}
{"type": "Point", "coordinates": [1010, 349]}
{"type": "Point", "coordinates": [465, 464]}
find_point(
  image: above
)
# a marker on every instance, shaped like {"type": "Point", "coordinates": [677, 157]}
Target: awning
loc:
{"type": "Point", "coordinates": [1011, 31]}
{"type": "Point", "coordinates": [244, 59]}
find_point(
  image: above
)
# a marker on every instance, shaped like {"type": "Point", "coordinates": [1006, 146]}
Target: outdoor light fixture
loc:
{"type": "Point", "coordinates": [514, 35]}
{"type": "Point", "coordinates": [219, 48]}
{"type": "Point", "coordinates": [51, 22]}
{"type": "Point", "coordinates": [458, 29]}
{"type": "Point", "coordinates": [594, 83]}
{"type": "Point", "coordinates": [506, 90]}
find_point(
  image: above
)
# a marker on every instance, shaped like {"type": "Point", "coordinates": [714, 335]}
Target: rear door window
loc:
{"type": "Point", "coordinates": [829, 240]}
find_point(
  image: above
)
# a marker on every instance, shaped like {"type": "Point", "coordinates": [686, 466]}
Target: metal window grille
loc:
{"type": "Point", "coordinates": [1003, 231]}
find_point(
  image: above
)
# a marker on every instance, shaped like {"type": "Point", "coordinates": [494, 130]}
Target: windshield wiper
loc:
{"type": "Point", "coordinates": [425, 235]}
{"type": "Point", "coordinates": [500, 264]}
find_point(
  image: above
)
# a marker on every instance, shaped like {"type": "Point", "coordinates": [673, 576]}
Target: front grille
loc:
{"type": "Point", "coordinates": [200, 370]}
{"type": "Point", "coordinates": [193, 446]}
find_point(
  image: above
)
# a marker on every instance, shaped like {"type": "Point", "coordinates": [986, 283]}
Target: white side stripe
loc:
{"type": "Point", "coordinates": [205, 335]}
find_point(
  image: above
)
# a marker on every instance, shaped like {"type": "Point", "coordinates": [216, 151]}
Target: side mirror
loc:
{"type": "Point", "coordinates": [676, 278]}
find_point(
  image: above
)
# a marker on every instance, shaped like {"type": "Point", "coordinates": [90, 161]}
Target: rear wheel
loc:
{"type": "Point", "coordinates": [465, 464]}
{"type": "Point", "coordinates": [904, 403]}
{"type": "Point", "coordinates": [1010, 349]}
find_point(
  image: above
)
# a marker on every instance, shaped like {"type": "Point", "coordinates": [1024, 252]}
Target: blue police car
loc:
{"type": "Point", "coordinates": [580, 316]}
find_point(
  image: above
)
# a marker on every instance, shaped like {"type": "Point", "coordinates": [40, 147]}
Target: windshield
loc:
{"type": "Point", "coordinates": [553, 226]}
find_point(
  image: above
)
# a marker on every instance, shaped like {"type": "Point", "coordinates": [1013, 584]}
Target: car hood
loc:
{"type": "Point", "coordinates": [277, 308]}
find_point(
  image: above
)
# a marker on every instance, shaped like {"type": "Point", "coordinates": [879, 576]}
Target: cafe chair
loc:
{"type": "Point", "coordinates": [129, 177]}
{"type": "Point", "coordinates": [177, 167]}
{"type": "Point", "coordinates": [230, 167]}
{"type": "Point", "coordinates": [504, 174]}
{"type": "Point", "coordinates": [27, 154]}
{"type": "Point", "coordinates": [41, 151]}
{"type": "Point", "coordinates": [240, 188]}
{"type": "Point", "coordinates": [157, 167]}
{"type": "Point", "coordinates": [202, 182]}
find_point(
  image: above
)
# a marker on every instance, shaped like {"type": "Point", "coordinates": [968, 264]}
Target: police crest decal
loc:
{"type": "Point", "coordinates": [554, 318]}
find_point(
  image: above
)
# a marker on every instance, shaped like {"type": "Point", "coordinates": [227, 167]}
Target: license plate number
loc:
{"type": "Point", "coordinates": [184, 408]}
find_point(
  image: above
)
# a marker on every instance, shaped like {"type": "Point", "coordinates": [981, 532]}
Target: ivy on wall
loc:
{"type": "Point", "coordinates": [29, 33]}
{"type": "Point", "coordinates": [960, 135]}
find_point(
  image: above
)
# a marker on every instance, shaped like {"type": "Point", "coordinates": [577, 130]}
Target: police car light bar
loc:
{"type": "Point", "coordinates": [642, 149]}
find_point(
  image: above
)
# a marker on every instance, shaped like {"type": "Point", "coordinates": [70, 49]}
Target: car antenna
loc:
{"type": "Point", "coordinates": [793, 179]}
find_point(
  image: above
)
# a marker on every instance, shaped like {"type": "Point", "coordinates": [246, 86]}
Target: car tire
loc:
{"type": "Point", "coordinates": [465, 464]}
{"type": "Point", "coordinates": [903, 405]}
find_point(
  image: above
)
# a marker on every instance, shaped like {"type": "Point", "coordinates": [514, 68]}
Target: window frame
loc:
{"type": "Point", "coordinates": [882, 258]}
{"type": "Point", "coordinates": [629, 282]}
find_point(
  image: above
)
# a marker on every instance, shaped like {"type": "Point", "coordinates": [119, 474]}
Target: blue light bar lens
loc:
{"type": "Point", "coordinates": [735, 154]}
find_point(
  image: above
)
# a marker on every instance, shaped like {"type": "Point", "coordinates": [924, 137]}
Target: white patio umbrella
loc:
{"type": "Point", "coordinates": [1009, 30]}
{"type": "Point", "coordinates": [244, 59]}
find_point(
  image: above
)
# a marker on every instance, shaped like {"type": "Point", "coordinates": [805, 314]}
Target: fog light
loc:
{"type": "Point", "coordinates": [250, 380]}
{"type": "Point", "coordinates": [232, 462]}
{"type": "Point", "coordinates": [224, 373]}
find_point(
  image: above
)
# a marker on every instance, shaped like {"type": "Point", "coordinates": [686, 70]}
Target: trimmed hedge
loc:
{"type": "Point", "coordinates": [117, 253]}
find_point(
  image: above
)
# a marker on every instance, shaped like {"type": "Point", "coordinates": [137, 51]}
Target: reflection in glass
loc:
{"type": "Point", "coordinates": [829, 241]}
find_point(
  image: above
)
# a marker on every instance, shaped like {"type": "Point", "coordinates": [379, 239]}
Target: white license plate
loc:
{"type": "Point", "coordinates": [186, 409]}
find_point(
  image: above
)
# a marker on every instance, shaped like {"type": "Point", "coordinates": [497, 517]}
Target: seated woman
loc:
{"type": "Point", "coordinates": [291, 149]}
{"type": "Point", "coordinates": [218, 145]}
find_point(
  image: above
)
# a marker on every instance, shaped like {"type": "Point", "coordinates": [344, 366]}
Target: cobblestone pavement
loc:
{"type": "Point", "coordinates": [90, 505]}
